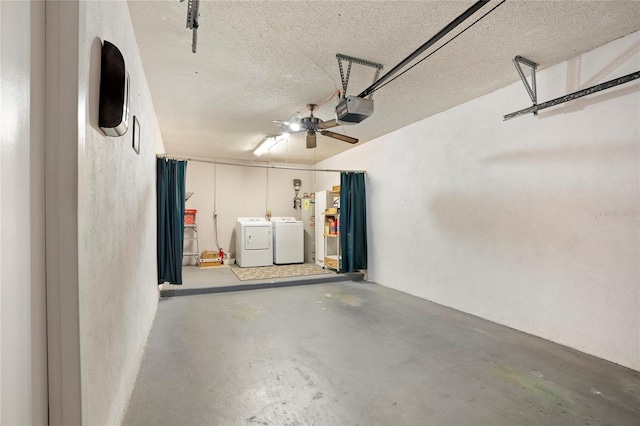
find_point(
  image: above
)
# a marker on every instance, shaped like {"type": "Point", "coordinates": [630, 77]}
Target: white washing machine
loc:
{"type": "Point", "coordinates": [254, 243]}
{"type": "Point", "coordinates": [288, 240]}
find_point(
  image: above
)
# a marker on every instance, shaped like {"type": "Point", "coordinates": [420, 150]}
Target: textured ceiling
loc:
{"type": "Point", "coordinates": [259, 61]}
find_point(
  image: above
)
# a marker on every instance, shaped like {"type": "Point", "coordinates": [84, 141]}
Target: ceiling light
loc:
{"type": "Point", "coordinates": [294, 127]}
{"type": "Point", "coordinates": [264, 146]}
{"type": "Point", "coordinates": [268, 143]}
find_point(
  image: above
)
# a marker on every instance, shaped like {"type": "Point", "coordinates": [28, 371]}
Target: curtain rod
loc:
{"type": "Point", "coordinates": [262, 166]}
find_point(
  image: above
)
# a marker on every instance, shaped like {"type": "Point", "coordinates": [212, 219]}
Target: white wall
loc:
{"type": "Point", "coordinates": [23, 356]}
{"type": "Point", "coordinates": [532, 223]}
{"type": "Point", "coordinates": [100, 219]}
{"type": "Point", "coordinates": [117, 204]}
{"type": "Point", "coordinates": [239, 191]}
{"type": "Point", "coordinates": [62, 100]}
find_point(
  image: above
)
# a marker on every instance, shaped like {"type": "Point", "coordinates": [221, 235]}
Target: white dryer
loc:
{"type": "Point", "coordinates": [288, 240]}
{"type": "Point", "coordinates": [254, 244]}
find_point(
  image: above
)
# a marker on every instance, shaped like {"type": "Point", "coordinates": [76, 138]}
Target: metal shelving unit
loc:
{"type": "Point", "coordinates": [332, 255]}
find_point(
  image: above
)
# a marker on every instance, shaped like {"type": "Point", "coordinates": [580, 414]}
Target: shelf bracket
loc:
{"type": "Point", "coordinates": [518, 61]}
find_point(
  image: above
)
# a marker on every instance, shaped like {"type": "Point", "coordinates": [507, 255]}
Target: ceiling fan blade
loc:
{"type": "Point", "coordinates": [327, 124]}
{"type": "Point", "coordinates": [339, 136]}
{"type": "Point", "coordinates": [311, 139]}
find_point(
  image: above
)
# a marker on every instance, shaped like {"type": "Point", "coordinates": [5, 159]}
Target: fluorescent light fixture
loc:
{"type": "Point", "coordinates": [268, 143]}
{"type": "Point", "coordinates": [265, 145]}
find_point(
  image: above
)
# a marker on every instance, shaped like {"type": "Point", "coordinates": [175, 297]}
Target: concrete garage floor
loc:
{"type": "Point", "coordinates": [358, 353]}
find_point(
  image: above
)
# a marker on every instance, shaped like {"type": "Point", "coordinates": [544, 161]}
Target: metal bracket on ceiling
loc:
{"type": "Point", "coordinates": [531, 89]}
{"type": "Point", "coordinates": [351, 60]}
{"type": "Point", "coordinates": [193, 7]}
{"type": "Point", "coordinates": [562, 99]}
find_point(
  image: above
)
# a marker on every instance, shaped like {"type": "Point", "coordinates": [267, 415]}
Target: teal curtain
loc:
{"type": "Point", "coordinates": [170, 182]}
{"type": "Point", "coordinates": [353, 221]}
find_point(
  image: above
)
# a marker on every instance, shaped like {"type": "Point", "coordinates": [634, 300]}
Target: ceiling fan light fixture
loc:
{"type": "Point", "coordinates": [294, 127]}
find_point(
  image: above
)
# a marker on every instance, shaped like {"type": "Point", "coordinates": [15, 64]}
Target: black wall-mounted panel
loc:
{"type": "Point", "coordinates": [114, 92]}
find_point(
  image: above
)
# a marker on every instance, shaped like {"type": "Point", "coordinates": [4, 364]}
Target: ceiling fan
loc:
{"type": "Point", "coordinates": [312, 124]}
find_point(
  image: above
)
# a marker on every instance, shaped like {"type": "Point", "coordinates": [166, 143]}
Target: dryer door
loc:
{"type": "Point", "coordinates": [257, 237]}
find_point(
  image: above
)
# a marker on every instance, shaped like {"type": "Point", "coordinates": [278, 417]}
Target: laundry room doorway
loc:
{"type": "Point", "coordinates": [242, 223]}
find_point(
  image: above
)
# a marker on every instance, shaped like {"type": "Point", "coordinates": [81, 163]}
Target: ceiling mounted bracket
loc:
{"type": "Point", "coordinates": [575, 95]}
{"type": "Point", "coordinates": [351, 60]}
{"type": "Point", "coordinates": [531, 89]}
{"type": "Point", "coordinates": [193, 12]}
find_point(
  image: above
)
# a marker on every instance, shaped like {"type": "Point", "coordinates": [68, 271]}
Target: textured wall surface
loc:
{"type": "Point", "coordinates": [118, 275]}
{"type": "Point", "coordinates": [239, 191]}
{"type": "Point", "coordinates": [532, 223]}
{"type": "Point", "coordinates": [23, 351]}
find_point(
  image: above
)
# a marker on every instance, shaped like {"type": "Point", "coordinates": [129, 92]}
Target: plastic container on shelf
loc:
{"type": "Point", "coordinates": [190, 216]}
